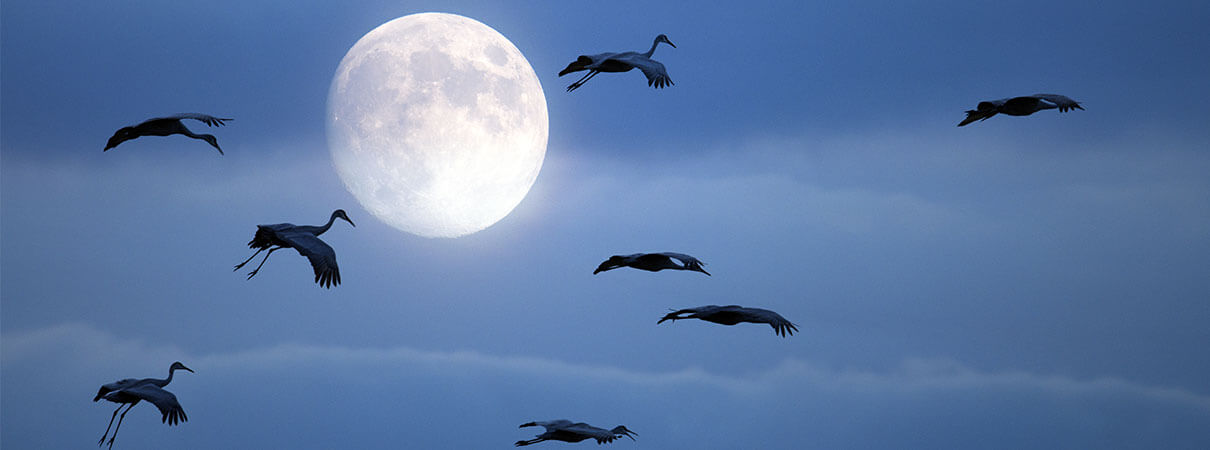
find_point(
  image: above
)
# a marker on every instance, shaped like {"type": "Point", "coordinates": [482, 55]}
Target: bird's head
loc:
{"type": "Point", "coordinates": [213, 142]}
{"type": "Point", "coordinates": [696, 266]}
{"type": "Point", "coordinates": [621, 430]}
{"type": "Point", "coordinates": [178, 365]}
{"type": "Point", "coordinates": [341, 214]}
{"type": "Point", "coordinates": [664, 38]}
{"type": "Point", "coordinates": [609, 263]}
{"type": "Point", "coordinates": [122, 135]}
{"type": "Point", "coordinates": [670, 316]}
{"type": "Point", "coordinates": [985, 107]}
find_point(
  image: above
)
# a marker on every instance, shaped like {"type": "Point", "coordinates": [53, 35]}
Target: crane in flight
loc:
{"type": "Point", "coordinates": [131, 391]}
{"type": "Point", "coordinates": [652, 262]}
{"type": "Point", "coordinates": [656, 74]}
{"type": "Point", "coordinates": [1020, 106]}
{"type": "Point", "coordinates": [166, 126]}
{"type": "Point", "coordinates": [564, 430]}
{"type": "Point", "coordinates": [303, 238]}
{"type": "Point", "coordinates": [733, 314]}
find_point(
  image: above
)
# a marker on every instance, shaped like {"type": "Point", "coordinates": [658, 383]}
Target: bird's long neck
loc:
{"type": "Point", "coordinates": [164, 382]}
{"type": "Point", "coordinates": [325, 227]}
{"type": "Point", "coordinates": [654, 44]}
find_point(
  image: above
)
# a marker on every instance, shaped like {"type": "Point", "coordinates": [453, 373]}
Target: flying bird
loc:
{"type": "Point", "coordinates": [303, 238]}
{"type": "Point", "coordinates": [165, 126]}
{"type": "Point", "coordinates": [131, 391]}
{"type": "Point", "coordinates": [1020, 106]}
{"type": "Point", "coordinates": [622, 62]}
{"type": "Point", "coordinates": [652, 262]}
{"type": "Point", "coordinates": [564, 430]}
{"type": "Point", "coordinates": [733, 314]}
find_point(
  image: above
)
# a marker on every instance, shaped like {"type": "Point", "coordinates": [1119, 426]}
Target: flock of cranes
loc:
{"type": "Point", "coordinates": [305, 240]}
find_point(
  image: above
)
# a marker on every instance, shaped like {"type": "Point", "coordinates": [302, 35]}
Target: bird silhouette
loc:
{"type": "Point", "coordinates": [130, 391]}
{"type": "Point", "coordinates": [303, 238]}
{"type": "Point", "coordinates": [652, 262]}
{"type": "Point", "coordinates": [165, 126]}
{"type": "Point", "coordinates": [733, 314]}
{"type": "Point", "coordinates": [656, 74]}
{"type": "Point", "coordinates": [1020, 106]}
{"type": "Point", "coordinates": [564, 430]}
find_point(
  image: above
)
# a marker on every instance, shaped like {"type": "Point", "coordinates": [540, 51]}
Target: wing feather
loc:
{"type": "Point", "coordinates": [657, 75]}
{"type": "Point", "coordinates": [204, 118]}
{"type": "Point", "coordinates": [321, 255]}
{"type": "Point", "coordinates": [170, 409]}
{"type": "Point", "coordinates": [1063, 102]}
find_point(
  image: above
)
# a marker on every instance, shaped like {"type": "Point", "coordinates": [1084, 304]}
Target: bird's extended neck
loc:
{"type": "Point", "coordinates": [164, 382]}
{"type": "Point", "coordinates": [654, 44]}
{"type": "Point", "coordinates": [325, 227]}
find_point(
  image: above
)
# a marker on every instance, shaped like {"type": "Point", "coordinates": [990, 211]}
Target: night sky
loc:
{"type": "Point", "coordinates": [1022, 282]}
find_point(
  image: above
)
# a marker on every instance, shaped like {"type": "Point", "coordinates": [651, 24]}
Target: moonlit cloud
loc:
{"type": "Point", "coordinates": [942, 387]}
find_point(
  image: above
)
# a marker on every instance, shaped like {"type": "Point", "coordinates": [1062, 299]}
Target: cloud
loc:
{"type": "Point", "coordinates": [492, 393]}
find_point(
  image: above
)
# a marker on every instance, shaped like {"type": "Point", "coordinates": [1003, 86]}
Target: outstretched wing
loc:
{"type": "Point", "coordinates": [1062, 102]}
{"type": "Point", "coordinates": [657, 75]}
{"type": "Point", "coordinates": [204, 118]}
{"type": "Point", "coordinates": [322, 257]}
{"type": "Point", "coordinates": [780, 325]}
{"type": "Point", "coordinates": [689, 261]}
{"type": "Point", "coordinates": [164, 400]}
{"type": "Point", "coordinates": [601, 435]}
{"type": "Point", "coordinates": [550, 425]}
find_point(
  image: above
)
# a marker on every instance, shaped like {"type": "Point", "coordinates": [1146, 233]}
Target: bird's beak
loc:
{"type": "Point", "coordinates": [673, 46]}
{"type": "Point", "coordinates": [351, 223]}
{"type": "Point", "coordinates": [186, 368]}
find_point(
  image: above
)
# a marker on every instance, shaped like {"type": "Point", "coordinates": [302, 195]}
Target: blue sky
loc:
{"type": "Point", "coordinates": [1016, 283]}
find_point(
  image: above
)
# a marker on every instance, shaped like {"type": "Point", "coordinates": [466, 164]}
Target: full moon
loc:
{"type": "Point", "coordinates": [437, 124]}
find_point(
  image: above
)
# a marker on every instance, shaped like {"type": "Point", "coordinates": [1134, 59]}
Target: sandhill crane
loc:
{"type": "Point", "coordinates": [130, 391]}
{"type": "Point", "coordinates": [733, 314]}
{"type": "Point", "coordinates": [303, 238]}
{"type": "Point", "coordinates": [622, 62]}
{"type": "Point", "coordinates": [165, 126]}
{"type": "Point", "coordinates": [564, 430]}
{"type": "Point", "coordinates": [1020, 106]}
{"type": "Point", "coordinates": [652, 262]}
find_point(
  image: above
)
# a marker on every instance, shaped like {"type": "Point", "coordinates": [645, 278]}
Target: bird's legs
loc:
{"type": "Point", "coordinates": [111, 417]}
{"type": "Point", "coordinates": [115, 429]}
{"type": "Point", "coordinates": [237, 266]}
{"type": "Point", "coordinates": [531, 441]}
{"type": "Point", "coordinates": [262, 262]}
{"type": "Point", "coordinates": [582, 80]}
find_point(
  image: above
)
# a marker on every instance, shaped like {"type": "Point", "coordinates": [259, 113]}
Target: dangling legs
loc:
{"type": "Point", "coordinates": [111, 417]}
{"type": "Point", "coordinates": [582, 80]}
{"type": "Point", "coordinates": [115, 429]}
{"type": "Point", "coordinates": [262, 262]}
{"type": "Point", "coordinates": [237, 266]}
